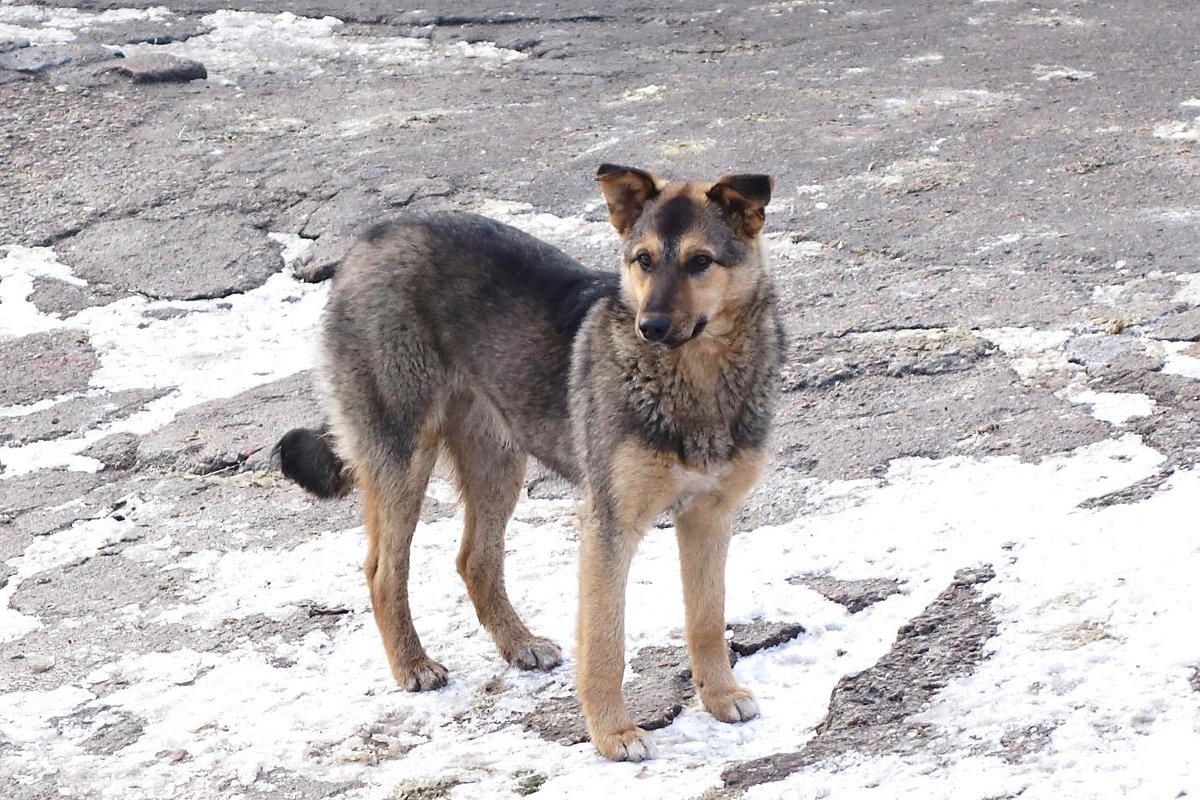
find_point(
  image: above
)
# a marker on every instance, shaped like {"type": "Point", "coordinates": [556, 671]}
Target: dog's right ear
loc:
{"type": "Point", "coordinates": [626, 190]}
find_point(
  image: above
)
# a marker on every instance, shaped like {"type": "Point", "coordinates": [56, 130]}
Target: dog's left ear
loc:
{"type": "Point", "coordinates": [626, 190]}
{"type": "Point", "coordinates": [744, 198]}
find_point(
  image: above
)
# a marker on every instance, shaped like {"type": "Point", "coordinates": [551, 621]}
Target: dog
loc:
{"type": "Point", "coordinates": [650, 389]}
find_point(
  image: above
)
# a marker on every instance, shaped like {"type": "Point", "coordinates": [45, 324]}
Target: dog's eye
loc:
{"type": "Point", "coordinates": [699, 263]}
{"type": "Point", "coordinates": [645, 261]}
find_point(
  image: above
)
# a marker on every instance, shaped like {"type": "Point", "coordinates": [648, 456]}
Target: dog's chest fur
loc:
{"type": "Point", "coordinates": [705, 401]}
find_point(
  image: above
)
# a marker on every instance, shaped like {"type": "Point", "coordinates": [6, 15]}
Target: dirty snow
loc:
{"type": "Point", "coordinates": [218, 349]}
{"type": "Point", "coordinates": [239, 44]}
{"type": "Point", "coordinates": [1053, 72]}
{"type": "Point", "coordinates": [244, 43]}
{"type": "Point", "coordinates": [42, 25]}
{"type": "Point", "coordinates": [1183, 358]}
{"type": "Point", "coordinates": [1040, 356]}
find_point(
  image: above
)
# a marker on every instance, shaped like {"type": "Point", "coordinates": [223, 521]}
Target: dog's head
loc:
{"type": "Point", "coordinates": [690, 251]}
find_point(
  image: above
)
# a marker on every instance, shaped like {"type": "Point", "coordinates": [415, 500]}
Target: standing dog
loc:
{"type": "Point", "coordinates": [650, 390]}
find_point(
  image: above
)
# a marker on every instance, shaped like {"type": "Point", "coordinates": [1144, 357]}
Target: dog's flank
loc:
{"type": "Point", "coordinates": [651, 390]}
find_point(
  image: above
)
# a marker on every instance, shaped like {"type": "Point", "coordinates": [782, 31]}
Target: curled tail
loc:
{"type": "Point", "coordinates": [306, 456]}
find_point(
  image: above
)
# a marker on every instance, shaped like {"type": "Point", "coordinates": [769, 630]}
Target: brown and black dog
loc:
{"type": "Point", "coordinates": [651, 390]}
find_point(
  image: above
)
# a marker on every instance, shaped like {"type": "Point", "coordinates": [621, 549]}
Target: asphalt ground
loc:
{"type": "Point", "coordinates": [985, 227]}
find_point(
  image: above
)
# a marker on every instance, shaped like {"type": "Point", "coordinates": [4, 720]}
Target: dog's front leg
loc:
{"type": "Point", "coordinates": [637, 485]}
{"type": "Point", "coordinates": [703, 528]}
{"type": "Point", "coordinates": [703, 532]}
{"type": "Point", "coordinates": [605, 555]}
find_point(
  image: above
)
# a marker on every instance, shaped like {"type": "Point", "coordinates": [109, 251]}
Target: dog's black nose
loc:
{"type": "Point", "coordinates": [654, 327]}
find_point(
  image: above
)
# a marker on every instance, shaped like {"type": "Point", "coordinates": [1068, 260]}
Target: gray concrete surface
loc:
{"type": "Point", "coordinates": [943, 169]}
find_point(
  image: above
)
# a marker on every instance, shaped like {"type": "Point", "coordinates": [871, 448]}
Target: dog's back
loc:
{"type": "Point", "coordinates": [429, 301]}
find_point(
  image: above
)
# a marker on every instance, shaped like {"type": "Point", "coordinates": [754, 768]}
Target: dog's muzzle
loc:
{"type": "Point", "coordinates": [655, 330]}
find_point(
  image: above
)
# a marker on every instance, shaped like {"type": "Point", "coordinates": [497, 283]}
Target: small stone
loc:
{"type": "Point", "coordinates": [39, 663]}
{"type": "Point", "coordinates": [158, 68]}
{"type": "Point", "coordinates": [854, 595]}
{"type": "Point", "coordinates": [118, 451]}
{"type": "Point", "coordinates": [750, 637]}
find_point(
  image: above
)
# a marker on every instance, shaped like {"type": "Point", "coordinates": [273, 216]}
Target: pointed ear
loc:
{"type": "Point", "coordinates": [744, 198]}
{"type": "Point", "coordinates": [626, 190]}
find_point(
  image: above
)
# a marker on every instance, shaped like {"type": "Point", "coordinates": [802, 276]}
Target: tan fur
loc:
{"type": "Point", "coordinates": [643, 486]}
{"type": "Point", "coordinates": [703, 526]}
{"type": "Point", "coordinates": [747, 212]}
{"type": "Point", "coordinates": [391, 509]}
{"type": "Point", "coordinates": [645, 483]}
{"type": "Point", "coordinates": [715, 295]}
{"type": "Point", "coordinates": [626, 192]}
{"type": "Point", "coordinates": [490, 474]}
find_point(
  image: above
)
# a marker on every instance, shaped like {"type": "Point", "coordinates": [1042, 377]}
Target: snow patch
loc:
{"type": "Point", "coordinates": [231, 585]}
{"type": "Point", "coordinates": [560, 231]}
{"type": "Point", "coordinates": [80, 541]}
{"type": "Point", "coordinates": [324, 706]}
{"type": "Point", "coordinates": [42, 25]}
{"type": "Point", "coordinates": [1183, 358]}
{"type": "Point", "coordinates": [1040, 356]}
{"type": "Point", "coordinates": [295, 247]}
{"type": "Point", "coordinates": [216, 349]}
{"type": "Point", "coordinates": [246, 43]}
{"type": "Point", "coordinates": [25, 409]}
{"type": "Point", "coordinates": [925, 58]}
{"type": "Point", "coordinates": [1190, 293]}
{"type": "Point", "coordinates": [1115, 408]}
{"type": "Point", "coordinates": [1177, 131]}
{"type": "Point", "coordinates": [1058, 72]}
{"type": "Point", "coordinates": [18, 270]}
{"type": "Point", "coordinates": [1032, 351]}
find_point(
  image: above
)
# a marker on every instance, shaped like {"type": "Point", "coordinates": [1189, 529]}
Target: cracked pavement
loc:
{"type": "Point", "coordinates": [984, 234]}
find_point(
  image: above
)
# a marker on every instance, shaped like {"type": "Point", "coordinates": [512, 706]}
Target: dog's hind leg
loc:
{"type": "Point", "coordinates": [491, 472]}
{"type": "Point", "coordinates": [392, 494]}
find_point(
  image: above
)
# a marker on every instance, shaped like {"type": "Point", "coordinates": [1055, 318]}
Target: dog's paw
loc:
{"type": "Point", "coordinates": [535, 653]}
{"type": "Point", "coordinates": [631, 744]}
{"type": "Point", "coordinates": [735, 705]}
{"type": "Point", "coordinates": [423, 676]}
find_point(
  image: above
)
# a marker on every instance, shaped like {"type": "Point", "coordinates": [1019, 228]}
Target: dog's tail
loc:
{"type": "Point", "coordinates": [307, 457]}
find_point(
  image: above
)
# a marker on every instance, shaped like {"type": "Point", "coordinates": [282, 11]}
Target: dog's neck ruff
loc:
{"type": "Point", "coordinates": [710, 398]}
